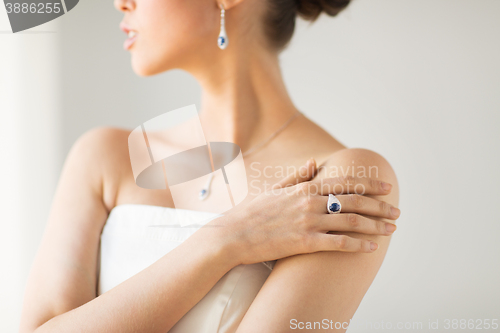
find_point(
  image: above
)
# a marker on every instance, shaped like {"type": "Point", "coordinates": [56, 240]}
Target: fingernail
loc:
{"type": "Point", "coordinates": [390, 227]}
{"type": "Point", "coordinates": [395, 211]}
{"type": "Point", "coordinates": [386, 186]}
{"type": "Point", "coordinates": [373, 246]}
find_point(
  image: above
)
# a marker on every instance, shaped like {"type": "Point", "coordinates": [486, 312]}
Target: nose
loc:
{"type": "Point", "coordinates": [124, 5]}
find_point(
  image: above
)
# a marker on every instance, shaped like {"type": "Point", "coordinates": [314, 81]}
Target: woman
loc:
{"type": "Point", "coordinates": [318, 266]}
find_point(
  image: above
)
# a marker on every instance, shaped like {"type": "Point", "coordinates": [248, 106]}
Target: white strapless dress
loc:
{"type": "Point", "coordinates": [135, 236]}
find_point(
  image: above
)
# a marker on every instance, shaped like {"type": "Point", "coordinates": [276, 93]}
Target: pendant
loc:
{"type": "Point", "coordinates": [205, 191]}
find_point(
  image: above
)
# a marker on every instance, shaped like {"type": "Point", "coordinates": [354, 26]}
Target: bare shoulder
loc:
{"type": "Point", "coordinates": [359, 156]}
{"type": "Point", "coordinates": [103, 152]}
{"type": "Point", "coordinates": [101, 148]}
{"type": "Point", "coordinates": [361, 162]}
{"type": "Point", "coordinates": [102, 138]}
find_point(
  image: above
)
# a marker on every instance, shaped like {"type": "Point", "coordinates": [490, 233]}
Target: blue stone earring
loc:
{"type": "Point", "coordinates": [222, 40]}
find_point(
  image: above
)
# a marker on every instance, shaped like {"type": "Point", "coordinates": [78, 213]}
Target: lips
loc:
{"type": "Point", "coordinates": [131, 34]}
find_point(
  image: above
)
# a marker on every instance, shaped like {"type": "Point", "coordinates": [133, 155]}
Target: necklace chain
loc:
{"type": "Point", "coordinates": [255, 148]}
{"type": "Point", "coordinates": [205, 191]}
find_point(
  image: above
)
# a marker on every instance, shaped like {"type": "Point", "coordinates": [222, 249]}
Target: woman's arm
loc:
{"type": "Point", "coordinates": [61, 289]}
{"type": "Point", "coordinates": [324, 285]}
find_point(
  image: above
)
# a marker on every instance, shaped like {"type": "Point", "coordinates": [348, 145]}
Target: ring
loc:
{"type": "Point", "coordinates": [333, 205]}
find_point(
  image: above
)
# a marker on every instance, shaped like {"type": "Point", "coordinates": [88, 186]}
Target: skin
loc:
{"type": "Point", "coordinates": [325, 259]}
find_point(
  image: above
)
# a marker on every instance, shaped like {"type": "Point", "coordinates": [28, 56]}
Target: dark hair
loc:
{"type": "Point", "coordinates": [279, 21]}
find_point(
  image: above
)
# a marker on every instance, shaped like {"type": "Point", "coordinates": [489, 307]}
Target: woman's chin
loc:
{"type": "Point", "coordinates": [144, 68]}
{"type": "Point", "coordinates": [141, 72]}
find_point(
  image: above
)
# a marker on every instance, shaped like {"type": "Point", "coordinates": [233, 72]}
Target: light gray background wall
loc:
{"type": "Point", "coordinates": [417, 81]}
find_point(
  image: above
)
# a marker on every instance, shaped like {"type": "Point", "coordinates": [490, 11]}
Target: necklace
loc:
{"type": "Point", "coordinates": [205, 191]}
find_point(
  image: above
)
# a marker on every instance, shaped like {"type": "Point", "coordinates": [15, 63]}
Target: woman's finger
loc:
{"type": "Point", "coordinates": [344, 243]}
{"type": "Point", "coordinates": [349, 184]}
{"type": "Point", "coordinates": [304, 173]}
{"type": "Point", "coordinates": [360, 204]}
{"type": "Point", "coordinates": [351, 222]}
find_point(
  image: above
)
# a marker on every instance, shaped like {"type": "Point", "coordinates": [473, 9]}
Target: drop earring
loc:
{"type": "Point", "coordinates": [222, 40]}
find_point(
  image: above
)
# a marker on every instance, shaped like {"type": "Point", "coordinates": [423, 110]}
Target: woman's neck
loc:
{"type": "Point", "coordinates": [244, 99]}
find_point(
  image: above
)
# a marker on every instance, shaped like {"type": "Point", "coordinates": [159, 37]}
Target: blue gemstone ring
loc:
{"type": "Point", "coordinates": [333, 205]}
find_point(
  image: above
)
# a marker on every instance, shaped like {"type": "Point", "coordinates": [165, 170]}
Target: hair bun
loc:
{"type": "Point", "coordinates": [311, 9]}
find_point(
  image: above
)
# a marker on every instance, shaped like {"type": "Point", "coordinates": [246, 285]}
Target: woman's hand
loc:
{"type": "Point", "coordinates": [292, 217]}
